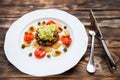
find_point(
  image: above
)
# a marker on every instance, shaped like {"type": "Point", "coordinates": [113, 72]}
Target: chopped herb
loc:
{"type": "Point", "coordinates": [30, 54]}
{"type": "Point", "coordinates": [48, 55]}
{"type": "Point", "coordinates": [23, 46]}
{"type": "Point", "coordinates": [65, 27]}
{"type": "Point", "coordinates": [39, 23]}
{"type": "Point", "coordinates": [65, 49]}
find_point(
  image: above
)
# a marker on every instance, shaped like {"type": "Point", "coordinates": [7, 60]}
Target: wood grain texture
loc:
{"type": "Point", "coordinates": [107, 13]}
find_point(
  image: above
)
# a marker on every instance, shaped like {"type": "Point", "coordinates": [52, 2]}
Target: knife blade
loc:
{"type": "Point", "coordinates": [96, 28]}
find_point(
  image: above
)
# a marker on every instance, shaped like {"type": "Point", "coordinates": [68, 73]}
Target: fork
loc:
{"type": "Point", "coordinates": [90, 66]}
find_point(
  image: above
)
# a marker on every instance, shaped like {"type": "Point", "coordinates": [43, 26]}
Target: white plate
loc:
{"type": "Point", "coordinates": [45, 67]}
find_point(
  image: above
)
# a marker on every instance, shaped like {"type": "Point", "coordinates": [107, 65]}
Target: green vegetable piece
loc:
{"type": "Point", "coordinates": [65, 27]}
{"type": "Point", "coordinates": [30, 54]}
{"type": "Point", "coordinates": [48, 55]}
{"type": "Point", "coordinates": [65, 49]}
{"type": "Point", "coordinates": [47, 32]}
{"type": "Point", "coordinates": [39, 23]}
{"type": "Point", "coordinates": [23, 46]}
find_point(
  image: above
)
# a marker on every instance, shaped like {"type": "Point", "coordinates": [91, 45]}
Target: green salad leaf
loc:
{"type": "Point", "coordinates": [47, 32]}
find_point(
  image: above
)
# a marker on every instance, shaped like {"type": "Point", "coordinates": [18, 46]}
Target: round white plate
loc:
{"type": "Point", "coordinates": [45, 67]}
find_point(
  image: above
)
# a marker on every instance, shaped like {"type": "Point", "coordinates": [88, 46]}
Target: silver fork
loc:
{"type": "Point", "coordinates": [90, 66]}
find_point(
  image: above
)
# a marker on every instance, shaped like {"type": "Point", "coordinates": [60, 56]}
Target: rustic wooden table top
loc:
{"type": "Point", "coordinates": [107, 13]}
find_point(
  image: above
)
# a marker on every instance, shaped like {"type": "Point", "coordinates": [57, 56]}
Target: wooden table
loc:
{"type": "Point", "coordinates": [107, 13]}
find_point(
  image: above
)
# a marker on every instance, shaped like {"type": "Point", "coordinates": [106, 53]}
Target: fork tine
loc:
{"type": "Point", "coordinates": [92, 20]}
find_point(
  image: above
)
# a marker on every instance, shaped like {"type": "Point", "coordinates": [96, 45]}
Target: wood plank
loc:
{"type": "Point", "coordinates": [105, 18]}
{"type": "Point", "coordinates": [111, 32]}
{"type": "Point", "coordinates": [66, 4]}
{"type": "Point", "coordinates": [6, 22]}
{"type": "Point", "coordinates": [7, 12]}
{"type": "Point", "coordinates": [64, 78]}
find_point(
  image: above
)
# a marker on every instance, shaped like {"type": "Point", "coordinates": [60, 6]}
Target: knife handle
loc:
{"type": "Point", "coordinates": [111, 62]}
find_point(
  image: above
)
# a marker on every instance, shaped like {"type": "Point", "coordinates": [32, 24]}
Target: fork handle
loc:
{"type": "Point", "coordinates": [110, 60]}
{"type": "Point", "coordinates": [91, 61]}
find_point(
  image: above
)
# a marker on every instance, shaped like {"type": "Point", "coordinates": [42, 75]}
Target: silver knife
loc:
{"type": "Point", "coordinates": [96, 28]}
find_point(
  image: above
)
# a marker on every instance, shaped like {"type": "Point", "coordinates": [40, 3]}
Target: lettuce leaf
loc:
{"type": "Point", "coordinates": [47, 32]}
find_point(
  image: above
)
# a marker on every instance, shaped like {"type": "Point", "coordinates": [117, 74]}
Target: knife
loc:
{"type": "Point", "coordinates": [96, 28]}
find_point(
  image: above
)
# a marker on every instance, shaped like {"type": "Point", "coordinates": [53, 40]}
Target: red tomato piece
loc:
{"type": "Point", "coordinates": [66, 40]}
{"type": "Point", "coordinates": [40, 53]}
{"type": "Point", "coordinates": [50, 22]}
{"type": "Point", "coordinates": [28, 37]}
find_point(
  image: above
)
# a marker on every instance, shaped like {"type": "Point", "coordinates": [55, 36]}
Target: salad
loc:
{"type": "Point", "coordinates": [49, 39]}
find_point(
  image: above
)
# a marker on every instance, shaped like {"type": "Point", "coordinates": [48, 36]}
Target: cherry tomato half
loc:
{"type": "Point", "coordinates": [40, 53]}
{"type": "Point", "coordinates": [66, 40]}
{"type": "Point", "coordinates": [28, 37]}
{"type": "Point", "coordinates": [50, 22]}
